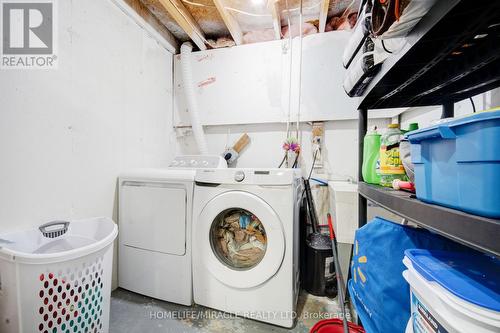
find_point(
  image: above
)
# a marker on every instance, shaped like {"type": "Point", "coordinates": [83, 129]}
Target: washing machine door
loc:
{"type": "Point", "coordinates": [240, 239]}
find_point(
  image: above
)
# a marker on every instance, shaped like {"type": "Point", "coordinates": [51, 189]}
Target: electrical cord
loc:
{"type": "Point", "coordinates": [321, 182]}
{"type": "Point", "coordinates": [296, 162]}
{"type": "Point", "coordinates": [348, 8]}
{"type": "Point", "coordinates": [385, 49]}
{"type": "Point", "coordinates": [312, 166]}
{"type": "Point", "coordinates": [473, 105]}
{"type": "Point", "coordinates": [282, 161]}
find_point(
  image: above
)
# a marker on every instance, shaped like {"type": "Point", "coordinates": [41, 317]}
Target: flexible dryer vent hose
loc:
{"type": "Point", "coordinates": [192, 105]}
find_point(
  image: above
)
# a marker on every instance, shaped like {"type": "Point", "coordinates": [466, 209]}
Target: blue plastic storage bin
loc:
{"type": "Point", "coordinates": [457, 164]}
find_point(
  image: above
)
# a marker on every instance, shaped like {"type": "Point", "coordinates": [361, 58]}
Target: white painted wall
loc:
{"type": "Point", "coordinates": [66, 134]}
{"type": "Point", "coordinates": [341, 145]}
{"type": "Point", "coordinates": [425, 115]}
{"type": "Point", "coordinates": [250, 83]}
{"type": "Point", "coordinates": [245, 90]}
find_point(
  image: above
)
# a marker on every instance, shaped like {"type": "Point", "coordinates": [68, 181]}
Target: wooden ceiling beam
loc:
{"type": "Point", "coordinates": [186, 21]}
{"type": "Point", "coordinates": [231, 23]}
{"type": "Point", "coordinates": [323, 14]}
{"type": "Point", "coordinates": [274, 9]}
{"type": "Point", "coordinates": [143, 16]}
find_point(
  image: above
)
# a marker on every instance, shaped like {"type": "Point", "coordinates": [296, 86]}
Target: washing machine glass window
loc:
{"type": "Point", "coordinates": [238, 238]}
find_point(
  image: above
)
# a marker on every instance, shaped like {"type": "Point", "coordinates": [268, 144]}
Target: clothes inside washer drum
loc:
{"type": "Point", "coordinates": [238, 238]}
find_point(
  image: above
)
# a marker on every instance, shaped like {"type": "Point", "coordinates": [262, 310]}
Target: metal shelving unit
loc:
{"type": "Point", "coordinates": [452, 54]}
{"type": "Point", "coordinates": [448, 222]}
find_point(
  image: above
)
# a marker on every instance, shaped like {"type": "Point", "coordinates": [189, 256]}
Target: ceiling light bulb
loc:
{"type": "Point", "coordinates": [257, 2]}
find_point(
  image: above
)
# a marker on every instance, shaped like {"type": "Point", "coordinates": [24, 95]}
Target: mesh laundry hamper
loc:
{"type": "Point", "coordinates": [57, 279]}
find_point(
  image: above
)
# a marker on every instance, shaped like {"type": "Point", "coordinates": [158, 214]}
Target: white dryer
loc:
{"type": "Point", "coordinates": [155, 209]}
{"type": "Point", "coordinates": [245, 242]}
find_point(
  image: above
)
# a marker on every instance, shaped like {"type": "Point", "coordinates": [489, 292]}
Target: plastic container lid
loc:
{"type": "Point", "coordinates": [469, 276]}
{"type": "Point", "coordinates": [393, 126]}
{"type": "Point", "coordinates": [444, 129]}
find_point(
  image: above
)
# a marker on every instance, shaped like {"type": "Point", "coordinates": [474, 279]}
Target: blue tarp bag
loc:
{"type": "Point", "coordinates": [378, 291]}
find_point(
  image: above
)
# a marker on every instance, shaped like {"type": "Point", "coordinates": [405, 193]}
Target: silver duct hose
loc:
{"type": "Point", "coordinates": [187, 78]}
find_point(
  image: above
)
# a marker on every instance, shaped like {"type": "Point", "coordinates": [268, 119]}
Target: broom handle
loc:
{"type": "Point", "coordinates": [338, 273]}
{"type": "Point", "coordinates": [243, 141]}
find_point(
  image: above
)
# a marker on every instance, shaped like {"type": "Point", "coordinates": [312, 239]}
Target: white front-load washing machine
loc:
{"type": "Point", "coordinates": [245, 242]}
{"type": "Point", "coordinates": [155, 209]}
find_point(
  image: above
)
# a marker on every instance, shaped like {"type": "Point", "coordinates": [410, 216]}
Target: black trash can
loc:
{"type": "Point", "coordinates": [319, 270]}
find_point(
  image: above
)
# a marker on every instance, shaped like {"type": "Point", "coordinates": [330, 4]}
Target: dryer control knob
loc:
{"type": "Point", "coordinates": [239, 176]}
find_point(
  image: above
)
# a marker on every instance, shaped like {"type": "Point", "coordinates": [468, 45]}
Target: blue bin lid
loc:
{"type": "Point", "coordinates": [473, 277]}
{"type": "Point", "coordinates": [443, 130]}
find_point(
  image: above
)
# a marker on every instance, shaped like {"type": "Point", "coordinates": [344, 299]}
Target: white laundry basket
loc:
{"type": "Point", "coordinates": [57, 279]}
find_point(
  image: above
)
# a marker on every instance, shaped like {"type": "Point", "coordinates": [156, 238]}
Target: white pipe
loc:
{"type": "Point", "coordinates": [300, 74]}
{"type": "Point", "coordinates": [187, 78]}
{"type": "Point", "coordinates": [290, 41]}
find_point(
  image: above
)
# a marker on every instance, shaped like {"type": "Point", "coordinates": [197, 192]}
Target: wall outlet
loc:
{"type": "Point", "coordinates": [318, 137]}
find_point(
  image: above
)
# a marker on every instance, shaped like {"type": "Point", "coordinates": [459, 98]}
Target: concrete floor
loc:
{"type": "Point", "coordinates": [131, 312]}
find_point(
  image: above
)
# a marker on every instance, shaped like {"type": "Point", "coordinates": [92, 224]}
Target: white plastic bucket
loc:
{"type": "Point", "coordinates": [60, 284]}
{"type": "Point", "coordinates": [435, 309]}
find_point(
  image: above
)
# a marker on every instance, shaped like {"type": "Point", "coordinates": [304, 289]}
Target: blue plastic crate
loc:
{"type": "Point", "coordinates": [457, 164]}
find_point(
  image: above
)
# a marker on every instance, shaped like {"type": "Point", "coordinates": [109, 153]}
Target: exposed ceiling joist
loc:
{"type": "Point", "coordinates": [231, 23]}
{"type": "Point", "coordinates": [144, 17]}
{"type": "Point", "coordinates": [274, 8]}
{"type": "Point", "coordinates": [184, 18]}
{"type": "Point", "coordinates": [323, 14]}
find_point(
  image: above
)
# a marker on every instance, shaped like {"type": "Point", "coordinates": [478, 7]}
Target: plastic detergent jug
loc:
{"type": "Point", "coordinates": [391, 166]}
{"type": "Point", "coordinates": [371, 157]}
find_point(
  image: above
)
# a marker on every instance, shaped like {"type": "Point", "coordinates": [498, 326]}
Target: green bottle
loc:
{"type": "Point", "coordinates": [371, 157]}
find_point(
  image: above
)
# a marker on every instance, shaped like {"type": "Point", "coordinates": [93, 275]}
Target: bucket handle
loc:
{"type": "Point", "coordinates": [49, 231]}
